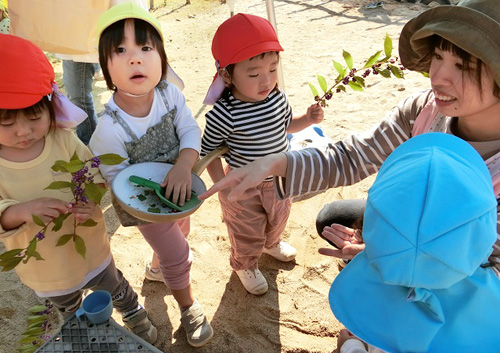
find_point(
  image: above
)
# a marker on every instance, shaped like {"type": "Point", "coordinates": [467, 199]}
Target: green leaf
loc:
{"type": "Point", "coordinates": [385, 73]}
{"type": "Point", "coordinates": [36, 319]}
{"type": "Point", "coordinates": [360, 80]}
{"type": "Point", "coordinates": [339, 68]}
{"type": "Point", "coordinates": [322, 83]}
{"type": "Point", "coordinates": [372, 60]}
{"type": "Point", "coordinates": [10, 254]}
{"type": "Point", "coordinates": [28, 339]}
{"type": "Point", "coordinates": [75, 158]}
{"type": "Point", "coordinates": [88, 223]}
{"type": "Point", "coordinates": [9, 264]}
{"type": "Point", "coordinates": [60, 166]}
{"type": "Point", "coordinates": [348, 59]}
{"type": "Point", "coordinates": [37, 220]}
{"type": "Point", "coordinates": [396, 71]}
{"type": "Point", "coordinates": [111, 159]}
{"type": "Point", "coordinates": [37, 255]}
{"type": "Point", "coordinates": [80, 245]}
{"type": "Point", "coordinates": [58, 222]}
{"type": "Point", "coordinates": [27, 348]}
{"type": "Point", "coordinates": [341, 87]}
{"type": "Point", "coordinates": [355, 86]}
{"type": "Point", "coordinates": [63, 239]}
{"type": "Point", "coordinates": [35, 331]}
{"type": "Point", "coordinates": [387, 46]}
{"type": "Point", "coordinates": [57, 185]}
{"type": "Point", "coordinates": [31, 247]}
{"type": "Point", "coordinates": [37, 309]}
{"type": "Point", "coordinates": [313, 89]}
{"type": "Point", "coordinates": [74, 165]}
{"type": "Point", "coordinates": [94, 192]}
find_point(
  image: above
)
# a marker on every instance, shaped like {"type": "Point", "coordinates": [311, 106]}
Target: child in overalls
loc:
{"type": "Point", "coordinates": [146, 120]}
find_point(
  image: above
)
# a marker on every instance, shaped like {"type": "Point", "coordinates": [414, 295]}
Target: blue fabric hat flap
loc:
{"type": "Point", "coordinates": [429, 223]}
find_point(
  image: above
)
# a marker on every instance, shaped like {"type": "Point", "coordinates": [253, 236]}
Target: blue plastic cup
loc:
{"type": "Point", "coordinates": [97, 307]}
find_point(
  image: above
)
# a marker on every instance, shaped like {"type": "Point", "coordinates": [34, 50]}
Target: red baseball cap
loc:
{"type": "Point", "coordinates": [27, 75]}
{"type": "Point", "coordinates": [239, 38]}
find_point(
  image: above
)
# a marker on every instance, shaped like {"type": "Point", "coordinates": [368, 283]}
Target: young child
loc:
{"type": "Point", "coordinates": [252, 116]}
{"type": "Point", "coordinates": [423, 282]}
{"type": "Point", "coordinates": [31, 141]}
{"type": "Point", "coordinates": [147, 119]}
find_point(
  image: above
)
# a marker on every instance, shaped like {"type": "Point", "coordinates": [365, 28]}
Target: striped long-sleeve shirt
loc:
{"type": "Point", "coordinates": [361, 155]}
{"type": "Point", "coordinates": [250, 130]}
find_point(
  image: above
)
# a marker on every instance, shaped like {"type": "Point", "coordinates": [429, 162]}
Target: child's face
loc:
{"type": "Point", "coordinates": [23, 134]}
{"type": "Point", "coordinates": [133, 68]}
{"type": "Point", "coordinates": [253, 79]}
{"type": "Point", "coordinates": [457, 91]}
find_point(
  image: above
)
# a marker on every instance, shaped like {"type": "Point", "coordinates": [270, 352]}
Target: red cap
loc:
{"type": "Point", "coordinates": [237, 39]}
{"type": "Point", "coordinates": [27, 75]}
{"type": "Point", "coordinates": [243, 36]}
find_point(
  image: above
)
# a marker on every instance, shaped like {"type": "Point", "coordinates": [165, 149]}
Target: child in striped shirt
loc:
{"type": "Point", "coordinates": [252, 116]}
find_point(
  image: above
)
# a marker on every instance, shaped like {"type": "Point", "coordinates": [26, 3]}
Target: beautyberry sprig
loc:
{"type": "Point", "coordinates": [349, 76]}
{"type": "Point", "coordinates": [84, 190]}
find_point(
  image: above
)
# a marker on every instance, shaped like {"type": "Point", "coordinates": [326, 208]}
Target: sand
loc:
{"type": "Point", "coordinates": [294, 316]}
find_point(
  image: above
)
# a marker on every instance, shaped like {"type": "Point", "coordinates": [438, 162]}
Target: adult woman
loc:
{"type": "Point", "coordinates": [459, 47]}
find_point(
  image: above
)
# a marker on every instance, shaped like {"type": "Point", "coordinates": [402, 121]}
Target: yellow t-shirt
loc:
{"type": "Point", "coordinates": [62, 267]}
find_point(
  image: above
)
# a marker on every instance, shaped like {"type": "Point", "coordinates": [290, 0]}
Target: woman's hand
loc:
{"type": "Point", "coordinates": [348, 240]}
{"type": "Point", "coordinates": [241, 182]}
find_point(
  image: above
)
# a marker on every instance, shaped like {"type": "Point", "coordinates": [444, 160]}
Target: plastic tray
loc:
{"type": "Point", "coordinates": [84, 337]}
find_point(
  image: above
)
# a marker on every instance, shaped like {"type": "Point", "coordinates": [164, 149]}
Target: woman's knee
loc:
{"type": "Point", "coordinates": [345, 212]}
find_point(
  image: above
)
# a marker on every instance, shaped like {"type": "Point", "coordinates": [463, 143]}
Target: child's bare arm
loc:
{"type": "Point", "coordinates": [178, 180]}
{"type": "Point", "coordinates": [46, 208]}
{"type": "Point", "coordinates": [314, 115]}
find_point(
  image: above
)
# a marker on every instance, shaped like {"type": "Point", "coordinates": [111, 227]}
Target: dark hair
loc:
{"type": "Point", "coordinates": [113, 36]}
{"type": "Point", "coordinates": [37, 108]}
{"type": "Point", "coordinates": [443, 44]}
{"type": "Point", "coordinates": [230, 69]}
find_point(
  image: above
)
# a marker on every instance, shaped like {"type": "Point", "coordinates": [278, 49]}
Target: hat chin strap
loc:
{"type": "Point", "coordinates": [128, 94]}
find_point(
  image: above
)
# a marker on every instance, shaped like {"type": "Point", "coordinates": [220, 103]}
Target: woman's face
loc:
{"type": "Point", "coordinates": [456, 89]}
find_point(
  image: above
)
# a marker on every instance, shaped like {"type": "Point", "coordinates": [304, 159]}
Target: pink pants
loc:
{"type": "Point", "coordinates": [253, 224]}
{"type": "Point", "coordinates": [169, 242]}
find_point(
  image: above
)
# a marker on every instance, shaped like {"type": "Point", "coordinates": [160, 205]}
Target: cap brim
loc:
{"type": "Point", "coordinates": [471, 30]}
{"type": "Point", "coordinates": [381, 315]}
{"type": "Point", "coordinates": [18, 100]}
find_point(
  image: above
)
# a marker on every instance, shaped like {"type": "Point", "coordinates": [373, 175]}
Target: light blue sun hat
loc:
{"type": "Point", "coordinates": [429, 225]}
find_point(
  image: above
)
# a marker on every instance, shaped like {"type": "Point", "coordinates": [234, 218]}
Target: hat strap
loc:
{"type": "Point", "coordinates": [428, 300]}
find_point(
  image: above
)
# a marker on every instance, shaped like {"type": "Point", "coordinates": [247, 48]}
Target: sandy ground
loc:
{"type": "Point", "coordinates": [294, 316]}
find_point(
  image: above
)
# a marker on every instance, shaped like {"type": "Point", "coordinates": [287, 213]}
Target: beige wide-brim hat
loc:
{"type": "Point", "coordinates": [472, 25]}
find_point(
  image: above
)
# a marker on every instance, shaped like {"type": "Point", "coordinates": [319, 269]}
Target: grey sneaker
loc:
{"type": "Point", "coordinates": [140, 324]}
{"type": "Point", "coordinates": [198, 330]}
{"type": "Point", "coordinates": [151, 275]}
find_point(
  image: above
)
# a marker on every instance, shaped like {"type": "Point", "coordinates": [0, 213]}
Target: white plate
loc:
{"type": "Point", "coordinates": [142, 202]}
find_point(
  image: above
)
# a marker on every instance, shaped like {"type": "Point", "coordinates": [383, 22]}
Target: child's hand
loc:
{"type": "Point", "coordinates": [45, 208]}
{"type": "Point", "coordinates": [178, 184]}
{"type": "Point", "coordinates": [315, 114]}
{"type": "Point", "coordinates": [344, 335]}
{"type": "Point", "coordinates": [83, 211]}
{"type": "Point", "coordinates": [348, 241]}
